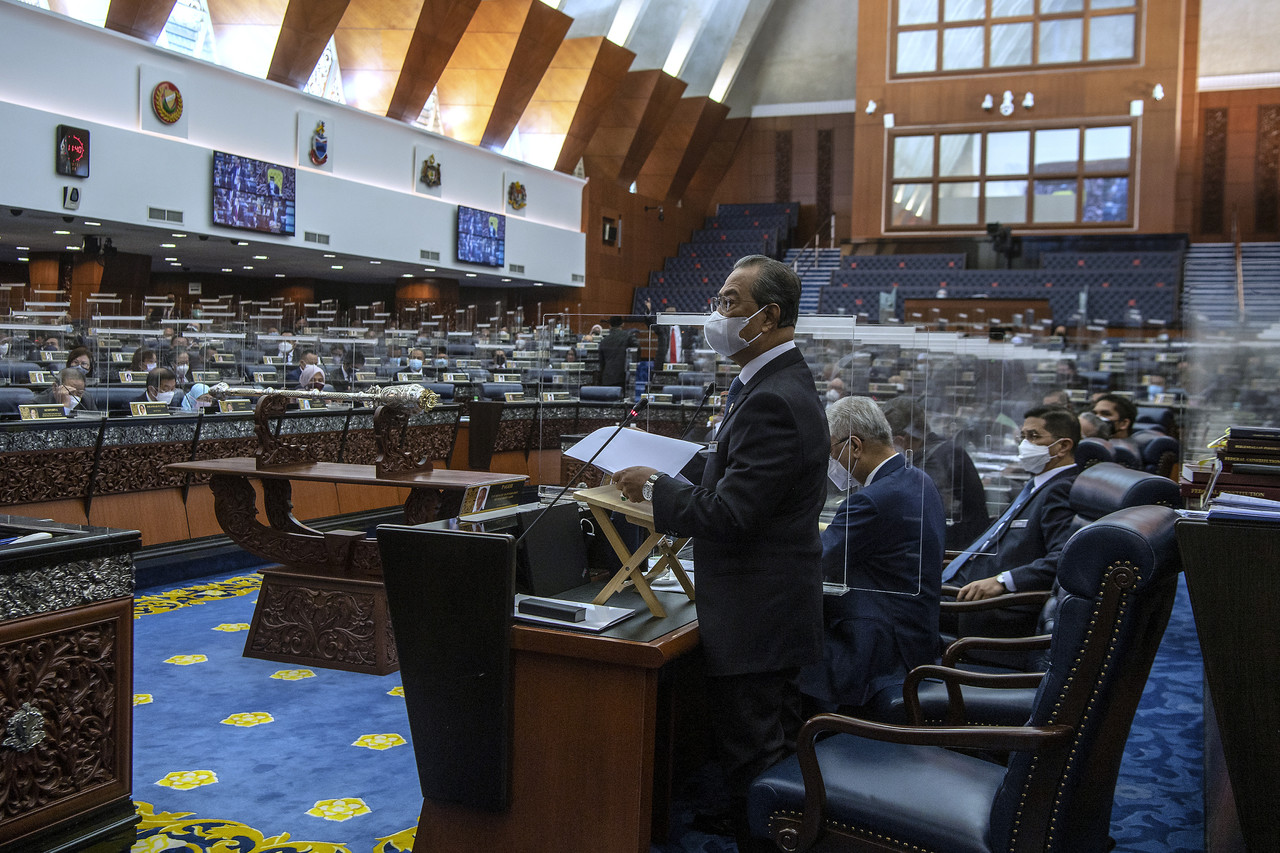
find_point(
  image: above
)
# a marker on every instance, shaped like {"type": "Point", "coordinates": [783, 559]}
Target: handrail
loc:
{"type": "Point", "coordinates": [795, 265]}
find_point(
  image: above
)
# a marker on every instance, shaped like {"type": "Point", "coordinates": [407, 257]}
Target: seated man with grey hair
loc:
{"type": "Point", "coordinates": [885, 544]}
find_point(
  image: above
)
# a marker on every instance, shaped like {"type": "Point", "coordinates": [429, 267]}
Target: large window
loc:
{"type": "Point", "coordinates": [1046, 176]}
{"type": "Point", "coordinates": [961, 36]}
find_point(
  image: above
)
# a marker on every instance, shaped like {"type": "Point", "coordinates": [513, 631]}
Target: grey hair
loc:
{"type": "Point", "coordinates": [775, 284]}
{"type": "Point", "coordinates": [1104, 428]}
{"type": "Point", "coordinates": [859, 416]}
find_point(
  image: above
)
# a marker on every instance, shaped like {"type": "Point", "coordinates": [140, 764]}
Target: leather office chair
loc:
{"type": "Point", "coordinates": [860, 786]}
{"type": "Point", "coordinates": [1091, 451]}
{"type": "Point", "coordinates": [600, 393]}
{"type": "Point", "coordinates": [1159, 452]}
{"type": "Point", "coordinates": [12, 397]}
{"type": "Point", "coordinates": [1126, 452]}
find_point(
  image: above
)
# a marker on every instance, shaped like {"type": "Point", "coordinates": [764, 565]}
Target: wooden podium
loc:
{"type": "Point", "coordinates": [606, 499]}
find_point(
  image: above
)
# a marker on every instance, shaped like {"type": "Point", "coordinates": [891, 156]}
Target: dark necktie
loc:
{"type": "Point", "coordinates": [734, 387]}
{"type": "Point", "coordinates": [992, 534]}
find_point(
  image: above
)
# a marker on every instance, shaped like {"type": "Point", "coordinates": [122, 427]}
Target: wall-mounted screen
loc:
{"type": "Point", "coordinates": [251, 194]}
{"type": "Point", "coordinates": [482, 237]}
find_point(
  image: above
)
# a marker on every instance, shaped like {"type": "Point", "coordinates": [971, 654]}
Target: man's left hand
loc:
{"type": "Point", "coordinates": [630, 480]}
{"type": "Point", "coordinates": [980, 589]}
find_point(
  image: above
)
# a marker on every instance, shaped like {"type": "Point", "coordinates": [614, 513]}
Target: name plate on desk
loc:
{"type": "Point", "coordinates": [148, 408]}
{"type": "Point", "coordinates": [53, 355]}
{"type": "Point", "coordinates": [659, 398]}
{"type": "Point", "coordinates": [468, 362]}
{"type": "Point", "coordinates": [675, 367]}
{"type": "Point", "coordinates": [264, 377]}
{"type": "Point", "coordinates": [119, 357]}
{"type": "Point", "coordinates": [224, 358]}
{"type": "Point", "coordinates": [39, 377]}
{"type": "Point", "coordinates": [883, 388]}
{"type": "Point", "coordinates": [556, 397]}
{"type": "Point", "coordinates": [273, 359]}
{"type": "Point", "coordinates": [514, 396]}
{"type": "Point", "coordinates": [240, 405]}
{"type": "Point", "coordinates": [506, 377]}
{"type": "Point", "coordinates": [572, 365]}
{"type": "Point", "coordinates": [41, 411]}
{"type": "Point", "coordinates": [457, 377]}
{"type": "Point", "coordinates": [304, 403]}
{"type": "Point", "coordinates": [408, 377]}
{"type": "Point", "coordinates": [206, 376]}
{"type": "Point", "coordinates": [361, 376]}
{"type": "Point", "coordinates": [131, 377]}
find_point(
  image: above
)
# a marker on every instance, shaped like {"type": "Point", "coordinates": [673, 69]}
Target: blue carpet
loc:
{"type": "Point", "coordinates": [298, 784]}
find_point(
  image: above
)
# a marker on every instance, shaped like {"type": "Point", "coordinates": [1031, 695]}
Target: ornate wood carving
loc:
{"type": "Point", "coordinates": [139, 467]}
{"type": "Point", "coordinates": [272, 450]}
{"type": "Point", "coordinates": [826, 176]}
{"type": "Point", "coordinates": [1213, 172]}
{"type": "Point", "coordinates": [30, 477]}
{"type": "Point", "coordinates": [782, 165]}
{"type": "Point", "coordinates": [390, 429]}
{"type": "Point", "coordinates": [301, 623]}
{"type": "Point", "coordinates": [1266, 208]}
{"type": "Point", "coordinates": [69, 678]}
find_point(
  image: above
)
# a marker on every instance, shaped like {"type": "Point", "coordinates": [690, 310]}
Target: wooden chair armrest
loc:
{"type": "Point", "coordinates": [953, 679]}
{"type": "Point", "coordinates": [959, 648]}
{"type": "Point", "coordinates": [1009, 599]}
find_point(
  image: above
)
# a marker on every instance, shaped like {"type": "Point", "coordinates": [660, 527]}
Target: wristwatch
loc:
{"type": "Point", "coordinates": [646, 491]}
{"type": "Point", "coordinates": [1006, 580]}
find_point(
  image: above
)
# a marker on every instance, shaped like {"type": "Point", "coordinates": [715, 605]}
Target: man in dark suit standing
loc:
{"type": "Point", "coordinates": [1020, 551]}
{"type": "Point", "coordinates": [885, 544]}
{"type": "Point", "coordinates": [613, 353]}
{"type": "Point", "coordinates": [754, 523]}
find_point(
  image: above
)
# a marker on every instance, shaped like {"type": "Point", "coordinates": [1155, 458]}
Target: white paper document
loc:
{"type": "Point", "coordinates": [634, 447]}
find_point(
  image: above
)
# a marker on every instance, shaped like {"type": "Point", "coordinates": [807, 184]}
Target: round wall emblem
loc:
{"type": "Point", "coordinates": [166, 101]}
{"type": "Point", "coordinates": [516, 195]}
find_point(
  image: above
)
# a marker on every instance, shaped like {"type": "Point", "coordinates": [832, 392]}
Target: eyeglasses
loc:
{"type": "Point", "coordinates": [725, 304]}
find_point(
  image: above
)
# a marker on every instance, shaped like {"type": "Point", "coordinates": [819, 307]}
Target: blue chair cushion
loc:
{"type": "Point", "coordinates": [499, 390]}
{"type": "Point", "coordinates": [600, 393]}
{"type": "Point", "coordinates": [11, 398]}
{"type": "Point", "coordinates": [875, 783]}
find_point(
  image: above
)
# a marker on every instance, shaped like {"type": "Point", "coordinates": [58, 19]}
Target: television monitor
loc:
{"type": "Point", "coordinates": [482, 237]}
{"type": "Point", "coordinates": [253, 194]}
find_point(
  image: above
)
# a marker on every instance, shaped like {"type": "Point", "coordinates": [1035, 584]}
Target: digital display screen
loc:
{"type": "Point", "coordinates": [482, 237]}
{"type": "Point", "coordinates": [72, 151]}
{"type": "Point", "coordinates": [252, 194]}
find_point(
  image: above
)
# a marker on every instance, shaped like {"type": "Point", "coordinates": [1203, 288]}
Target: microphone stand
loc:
{"type": "Point", "coordinates": [693, 419]}
{"type": "Point", "coordinates": [630, 416]}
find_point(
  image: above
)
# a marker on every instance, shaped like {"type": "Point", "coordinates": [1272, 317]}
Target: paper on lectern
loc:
{"type": "Point", "coordinates": [634, 447]}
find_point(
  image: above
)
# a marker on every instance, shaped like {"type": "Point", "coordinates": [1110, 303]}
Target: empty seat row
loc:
{"type": "Point", "coordinates": [903, 262]}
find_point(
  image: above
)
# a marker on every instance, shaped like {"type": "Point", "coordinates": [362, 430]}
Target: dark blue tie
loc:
{"type": "Point", "coordinates": [734, 387]}
{"type": "Point", "coordinates": [992, 534]}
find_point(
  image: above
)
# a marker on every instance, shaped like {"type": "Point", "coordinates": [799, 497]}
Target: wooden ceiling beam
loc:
{"type": "Point", "coordinates": [142, 19]}
{"type": "Point", "coordinates": [604, 77]}
{"type": "Point", "coordinates": [539, 42]}
{"type": "Point", "coordinates": [630, 125]}
{"type": "Point", "coordinates": [441, 25]}
{"type": "Point", "coordinates": [372, 41]}
{"type": "Point", "coordinates": [720, 156]}
{"type": "Point", "coordinates": [304, 32]}
{"type": "Point", "coordinates": [679, 153]}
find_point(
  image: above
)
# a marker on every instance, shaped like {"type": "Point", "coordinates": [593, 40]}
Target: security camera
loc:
{"type": "Point", "coordinates": [68, 219]}
{"type": "Point", "coordinates": [203, 236]}
{"type": "Point", "coordinates": [16, 211]}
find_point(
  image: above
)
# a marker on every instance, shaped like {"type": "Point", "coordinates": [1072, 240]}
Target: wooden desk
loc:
{"type": "Point", "coordinates": [324, 603]}
{"type": "Point", "coordinates": [592, 744]}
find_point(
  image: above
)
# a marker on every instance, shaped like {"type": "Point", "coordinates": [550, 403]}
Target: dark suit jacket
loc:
{"type": "Point", "coordinates": [754, 520]}
{"type": "Point", "coordinates": [964, 499]}
{"type": "Point", "coordinates": [613, 356]}
{"type": "Point", "coordinates": [886, 544]}
{"type": "Point", "coordinates": [86, 402]}
{"type": "Point", "coordinates": [1031, 544]}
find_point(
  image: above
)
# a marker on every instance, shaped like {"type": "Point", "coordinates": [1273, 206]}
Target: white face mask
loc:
{"type": "Point", "coordinates": [1032, 457]}
{"type": "Point", "coordinates": [180, 368]}
{"type": "Point", "coordinates": [72, 402]}
{"type": "Point", "coordinates": [832, 395]}
{"type": "Point", "coordinates": [150, 366]}
{"type": "Point", "coordinates": [165, 397]}
{"type": "Point", "coordinates": [4, 350]}
{"type": "Point", "coordinates": [415, 364]}
{"type": "Point", "coordinates": [723, 333]}
{"type": "Point", "coordinates": [839, 475]}
{"type": "Point", "coordinates": [285, 347]}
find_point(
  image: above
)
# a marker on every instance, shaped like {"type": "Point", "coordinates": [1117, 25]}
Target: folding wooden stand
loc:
{"type": "Point", "coordinates": [606, 499]}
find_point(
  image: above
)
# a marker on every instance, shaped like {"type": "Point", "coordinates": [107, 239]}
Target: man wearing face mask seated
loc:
{"type": "Point", "coordinates": [68, 393]}
{"type": "Point", "coordinates": [1020, 551]}
{"type": "Point", "coordinates": [885, 543]}
{"type": "Point", "coordinates": [162, 384]}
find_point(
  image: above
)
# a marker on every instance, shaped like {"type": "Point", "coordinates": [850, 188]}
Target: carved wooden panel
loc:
{"type": "Point", "coordinates": [70, 671]}
{"type": "Point", "coordinates": [139, 467]}
{"type": "Point", "coordinates": [30, 477]}
{"type": "Point", "coordinates": [1266, 210]}
{"type": "Point", "coordinates": [782, 165]}
{"type": "Point", "coordinates": [826, 174]}
{"type": "Point", "coordinates": [1213, 171]}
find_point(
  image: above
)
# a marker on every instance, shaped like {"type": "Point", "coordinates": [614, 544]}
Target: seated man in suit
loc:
{"type": "Point", "coordinates": [68, 392]}
{"type": "Point", "coordinates": [964, 498]}
{"type": "Point", "coordinates": [162, 385]}
{"type": "Point", "coordinates": [1020, 551]}
{"type": "Point", "coordinates": [885, 543]}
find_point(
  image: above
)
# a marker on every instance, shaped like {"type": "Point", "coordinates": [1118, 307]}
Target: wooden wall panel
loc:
{"type": "Point", "coordinates": [142, 19]}
{"type": "Point", "coordinates": [1226, 170]}
{"type": "Point", "coordinates": [664, 97]}
{"type": "Point", "coordinates": [372, 41]}
{"type": "Point", "coordinates": [618, 135]}
{"type": "Point", "coordinates": [441, 25]}
{"type": "Point", "coordinates": [678, 154]}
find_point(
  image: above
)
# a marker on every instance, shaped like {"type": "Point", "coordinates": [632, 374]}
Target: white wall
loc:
{"type": "Point", "coordinates": [58, 71]}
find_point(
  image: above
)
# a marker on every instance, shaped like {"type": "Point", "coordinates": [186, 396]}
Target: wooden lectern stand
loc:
{"type": "Point", "coordinates": [606, 499]}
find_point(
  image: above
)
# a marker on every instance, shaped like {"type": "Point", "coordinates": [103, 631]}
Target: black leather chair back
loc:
{"type": "Point", "coordinates": [1126, 452]}
{"type": "Point", "coordinates": [1159, 451]}
{"type": "Point", "coordinates": [1119, 578]}
{"type": "Point", "coordinates": [1091, 451]}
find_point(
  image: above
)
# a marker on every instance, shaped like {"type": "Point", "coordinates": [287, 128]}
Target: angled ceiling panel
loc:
{"type": "Point", "coordinates": [247, 31]}
{"type": "Point", "coordinates": [373, 40]}
{"type": "Point", "coordinates": [662, 102]}
{"type": "Point", "coordinates": [142, 19]}
{"type": "Point", "coordinates": [604, 78]}
{"type": "Point", "coordinates": [539, 42]}
{"type": "Point", "coordinates": [681, 149]}
{"type": "Point", "coordinates": [440, 27]}
{"type": "Point", "coordinates": [304, 32]}
{"type": "Point", "coordinates": [715, 164]}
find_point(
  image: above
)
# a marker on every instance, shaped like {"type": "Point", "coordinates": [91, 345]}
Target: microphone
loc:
{"type": "Point", "coordinates": [693, 419]}
{"type": "Point", "coordinates": [640, 406]}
